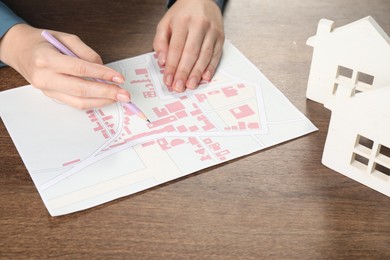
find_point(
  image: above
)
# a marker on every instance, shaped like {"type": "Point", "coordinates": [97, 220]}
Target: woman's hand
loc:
{"type": "Point", "coordinates": [61, 77]}
{"type": "Point", "coordinates": [189, 41]}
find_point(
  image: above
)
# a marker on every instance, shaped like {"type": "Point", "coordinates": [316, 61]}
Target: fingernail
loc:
{"type": "Point", "coordinates": [193, 83]}
{"type": "Point", "coordinates": [161, 59]}
{"type": "Point", "coordinates": [169, 80]}
{"type": "Point", "coordinates": [122, 98]}
{"type": "Point", "coordinates": [207, 75]}
{"type": "Point", "coordinates": [117, 80]}
{"type": "Point", "coordinates": [179, 85]}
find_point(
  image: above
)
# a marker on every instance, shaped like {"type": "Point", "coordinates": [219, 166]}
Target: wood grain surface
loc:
{"type": "Point", "coordinates": [274, 204]}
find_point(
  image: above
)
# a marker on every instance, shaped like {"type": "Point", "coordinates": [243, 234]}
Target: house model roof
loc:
{"type": "Point", "coordinates": [370, 26]}
{"type": "Point", "coordinates": [356, 54]}
{"type": "Point", "coordinates": [371, 108]}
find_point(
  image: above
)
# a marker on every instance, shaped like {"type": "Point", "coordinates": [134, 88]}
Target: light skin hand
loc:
{"type": "Point", "coordinates": [189, 41]}
{"type": "Point", "coordinates": [61, 77]}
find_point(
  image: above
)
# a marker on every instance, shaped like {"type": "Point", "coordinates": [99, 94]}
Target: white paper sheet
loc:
{"type": "Point", "coordinates": [80, 159]}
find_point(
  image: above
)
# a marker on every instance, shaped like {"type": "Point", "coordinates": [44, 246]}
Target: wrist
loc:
{"type": "Point", "coordinates": [12, 40]}
{"type": "Point", "coordinates": [219, 3]}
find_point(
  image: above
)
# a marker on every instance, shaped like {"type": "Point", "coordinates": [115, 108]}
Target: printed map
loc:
{"type": "Point", "coordinates": [80, 159]}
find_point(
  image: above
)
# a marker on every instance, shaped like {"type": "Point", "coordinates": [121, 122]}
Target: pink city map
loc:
{"type": "Point", "coordinates": [80, 159]}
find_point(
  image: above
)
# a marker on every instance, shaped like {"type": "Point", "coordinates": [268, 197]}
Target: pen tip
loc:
{"type": "Point", "coordinates": [148, 120]}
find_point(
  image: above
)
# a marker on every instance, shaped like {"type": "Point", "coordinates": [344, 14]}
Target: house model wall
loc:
{"type": "Point", "coordinates": [358, 140]}
{"type": "Point", "coordinates": [356, 55]}
{"type": "Point", "coordinates": [350, 74]}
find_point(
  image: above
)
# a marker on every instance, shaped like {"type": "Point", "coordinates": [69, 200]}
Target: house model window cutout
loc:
{"type": "Point", "coordinates": [350, 75]}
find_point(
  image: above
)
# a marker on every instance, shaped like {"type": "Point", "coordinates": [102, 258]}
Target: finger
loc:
{"type": "Point", "coordinates": [189, 56]}
{"type": "Point", "coordinates": [211, 68]}
{"type": "Point", "coordinates": [161, 42]}
{"type": "Point", "coordinates": [202, 62]}
{"type": "Point", "coordinates": [84, 52]}
{"type": "Point", "coordinates": [77, 102]}
{"type": "Point", "coordinates": [175, 50]}
{"type": "Point", "coordinates": [82, 88]}
{"type": "Point", "coordinates": [81, 68]}
{"type": "Point", "coordinates": [77, 46]}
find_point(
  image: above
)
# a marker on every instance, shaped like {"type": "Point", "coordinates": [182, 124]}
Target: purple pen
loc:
{"type": "Point", "coordinates": [64, 50]}
{"type": "Point", "coordinates": [57, 44]}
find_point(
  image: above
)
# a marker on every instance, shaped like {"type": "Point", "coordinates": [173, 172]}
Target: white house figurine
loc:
{"type": "Point", "coordinates": [350, 75]}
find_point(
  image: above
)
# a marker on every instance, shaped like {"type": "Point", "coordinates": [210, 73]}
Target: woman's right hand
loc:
{"type": "Point", "coordinates": [61, 77]}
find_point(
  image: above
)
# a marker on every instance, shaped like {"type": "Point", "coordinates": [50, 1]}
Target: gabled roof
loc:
{"type": "Point", "coordinates": [370, 106]}
{"type": "Point", "coordinates": [326, 26]}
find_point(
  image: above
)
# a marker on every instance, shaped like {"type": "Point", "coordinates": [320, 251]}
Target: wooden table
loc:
{"type": "Point", "coordinates": [277, 203]}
